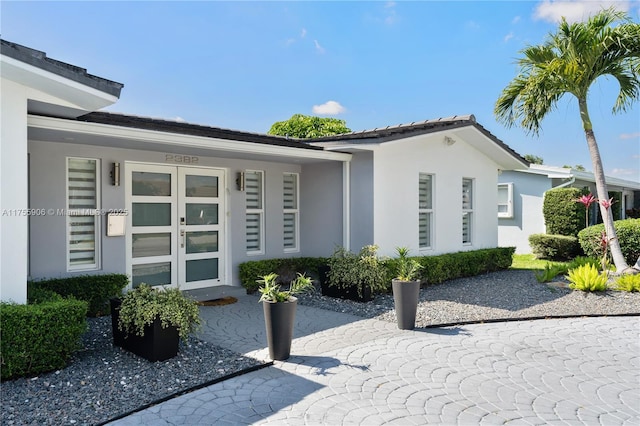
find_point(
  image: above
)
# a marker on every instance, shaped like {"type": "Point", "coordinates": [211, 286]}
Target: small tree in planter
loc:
{"type": "Point", "coordinates": [150, 321]}
{"type": "Point", "coordinates": [406, 289]}
{"type": "Point", "coordinates": [355, 276]}
{"type": "Point", "coordinates": [280, 311]}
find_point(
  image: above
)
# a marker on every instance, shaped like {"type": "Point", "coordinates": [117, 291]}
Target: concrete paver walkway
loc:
{"type": "Point", "coordinates": [346, 370]}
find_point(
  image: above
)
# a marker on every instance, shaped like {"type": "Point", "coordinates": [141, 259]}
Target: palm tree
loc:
{"type": "Point", "coordinates": [569, 61]}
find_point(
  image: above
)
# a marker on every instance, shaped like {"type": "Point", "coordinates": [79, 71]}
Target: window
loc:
{"type": "Point", "coordinates": [290, 211]}
{"type": "Point", "coordinates": [467, 211]}
{"type": "Point", "coordinates": [82, 218]}
{"type": "Point", "coordinates": [254, 190]}
{"type": "Point", "coordinates": [505, 200]}
{"type": "Point", "coordinates": [425, 210]}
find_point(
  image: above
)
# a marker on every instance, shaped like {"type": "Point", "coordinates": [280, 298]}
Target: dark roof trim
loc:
{"type": "Point", "coordinates": [160, 125]}
{"type": "Point", "coordinates": [401, 131]}
{"type": "Point", "coordinates": [40, 60]}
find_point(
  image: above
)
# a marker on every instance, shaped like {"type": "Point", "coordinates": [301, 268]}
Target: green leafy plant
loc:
{"type": "Point", "coordinates": [554, 247]}
{"type": "Point", "coordinates": [407, 268]}
{"type": "Point", "coordinates": [628, 234]}
{"type": "Point", "coordinates": [630, 283]}
{"type": "Point", "coordinates": [248, 271]}
{"type": "Point", "coordinates": [587, 278]}
{"type": "Point", "coordinates": [40, 336]}
{"type": "Point", "coordinates": [348, 269]}
{"type": "Point", "coordinates": [550, 271]}
{"type": "Point", "coordinates": [271, 291]}
{"type": "Point", "coordinates": [141, 306]}
{"type": "Point", "coordinates": [94, 289]}
{"type": "Point", "coordinates": [583, 260]}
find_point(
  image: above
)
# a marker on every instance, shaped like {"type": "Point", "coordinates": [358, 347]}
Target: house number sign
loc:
{"type": "Point", "coordinates": [182, 159]}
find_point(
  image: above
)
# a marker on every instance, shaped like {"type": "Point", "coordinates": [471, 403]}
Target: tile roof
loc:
{"type": "Point", "coordinates": [183, 128]}
{"type": "Point", "coordinates": [40, 60]}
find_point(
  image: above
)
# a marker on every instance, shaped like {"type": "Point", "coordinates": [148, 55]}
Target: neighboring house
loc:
{"type": "Point", "coordinates": [521, 196]}
{"type": "Point", "coordinates": [85, 192]}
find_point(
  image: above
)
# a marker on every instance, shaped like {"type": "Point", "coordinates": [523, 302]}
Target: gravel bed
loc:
{"type": "Point", "coordinates": [103, 381]}
{"type": "Point", "coordinates": [499, 295]}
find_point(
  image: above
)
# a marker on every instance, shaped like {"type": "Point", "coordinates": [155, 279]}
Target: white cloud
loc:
{"type": "Point", "coordinates": [625, 172]}
{"type": "Point", "coordinates": [508, 37]}
{"type": "Point", "coordinates": [328, 108]}
{"type": "Point", "coordinates": [390, 11]}
{"type": "Point", "coordinates": [630, 135]}
{"type": "Point", "coordinates": [180, 119]}
{"type": "Point", "coordinates": [472, 25]}
{"type": "Point", "coordinates": [574, 10]}
{"type": "Point", "coordinates": [289, 41]}
{"type": "Point", "coordinates": [319, 48]}
{"type": "Point", "coordinates": [516, 19]}
{"type": "Point", "coordinates": [303, 33]}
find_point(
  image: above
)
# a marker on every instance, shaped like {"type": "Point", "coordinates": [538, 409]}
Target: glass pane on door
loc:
{"type": "Point", "coordinates": [202, 242]}
{"type": "Point", "coordinates": [151, 184]}
{"type": "Point", "coordinates": [151, 274]}
{"type": "Point", "coordinates": [156, 244]}
{"type": "Point", "coordinates": [201, 186]}
{"type": "Point", "coordinates": [202, 214]}
{"type": "Point", "coordinates": [151, 214]}
{"type": "Point", "coordinates": [202, 269]}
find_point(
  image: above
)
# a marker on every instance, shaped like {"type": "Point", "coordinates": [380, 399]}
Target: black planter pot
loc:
{"type": "Point", "coordinates": [350, 293]}
{"type": "Point", "coordinates": [405, 299]}
{"type": "Point", "coordinates": [279, 318]}
{"type": "Point", "coordinates": [157, 344]}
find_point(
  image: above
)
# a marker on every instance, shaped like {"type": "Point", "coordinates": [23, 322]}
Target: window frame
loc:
{"type": "Point", "coordinates": [428, 211]}
{"type": "Point", "coordinates": [295, 211]}
{"type": "Point", "coordinates": [509, 213]}
{"type": "Point", "coordinates": [74, 212]}
{"type": "Point", "coordinates": [469, 212]}
{"type": "Point", "coordinates": [259, 212]}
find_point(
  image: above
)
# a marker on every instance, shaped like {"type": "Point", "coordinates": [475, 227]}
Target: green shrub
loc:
{"type": "Point", "coordinates": [582, 260]}
{"type": "Point", "coordinates": [554, 247]}
{"type": "Point", "coordinates": [629, 283]}
{"type": "Point", "coordinates": [436, 269]}
{"type": "Point", "coordinates": [96, 290]}
{"type": "Point", "coordinates": [40, 337]}
{"type": "Point", "coordinates": [285, 268]}
{"type": "Point", "coordinates": [365, 269]}
{"type": "Point", "coordinates": [627, 231]}
{"type": "Point", "coordinates": [563, 215]}
{"type": "Point", "coordinates": [587, 278]}
{"type": "Point", "coordinates": [550, 271]}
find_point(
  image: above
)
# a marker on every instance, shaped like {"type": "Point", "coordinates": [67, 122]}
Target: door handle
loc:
{"type": "Point", "coordinates": [182, 238]}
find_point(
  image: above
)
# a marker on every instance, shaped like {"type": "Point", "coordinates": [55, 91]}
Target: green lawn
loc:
{"type": "Point", "coordinates": [528, 261]}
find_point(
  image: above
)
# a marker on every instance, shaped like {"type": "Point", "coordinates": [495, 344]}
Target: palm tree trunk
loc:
{"type": "Point", "coordinates": [601, 188]}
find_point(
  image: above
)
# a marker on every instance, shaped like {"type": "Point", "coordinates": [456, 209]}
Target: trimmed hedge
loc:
{"type": "Point", "coordinates": [554, 247]}
{"type": "Point", "coordinates": [563, 215]}
{"type": "Point", "coordinates": [628, 232]}
{"type": "Point", "coordinates": [435, 269]}
{"type": "Point", "coordinates": [96, 290]}
{"type": "Point", "coordinates": [286, 269]}
{"type": "Point", "coordinates": [40, 337]}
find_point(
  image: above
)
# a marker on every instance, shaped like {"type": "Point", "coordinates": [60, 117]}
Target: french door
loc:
{"type": "Point", "coordinates": [176, 225]}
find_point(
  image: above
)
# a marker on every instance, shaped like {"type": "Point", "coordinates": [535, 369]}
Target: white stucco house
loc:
{"type": "Point", "coordinates": [521, 197]}
{"type": "Point", "coordinates": [84, 191]}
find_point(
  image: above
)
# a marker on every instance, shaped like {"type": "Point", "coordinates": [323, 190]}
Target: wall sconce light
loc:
{"type": "Point", "coordinates": [449, 141]}
{"type": "Point", "coordinates": [115, 174]}
{"type": "Point", "coordinates": [240, 181]}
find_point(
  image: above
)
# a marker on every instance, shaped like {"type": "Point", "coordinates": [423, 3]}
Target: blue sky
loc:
{"type": "Point", "coordinates": [244, 65]}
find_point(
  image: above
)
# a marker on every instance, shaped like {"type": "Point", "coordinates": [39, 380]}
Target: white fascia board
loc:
{"type": "Point", "coordinates": [177, 139]}
{"type": "Point", "coordinates": [77, 94]}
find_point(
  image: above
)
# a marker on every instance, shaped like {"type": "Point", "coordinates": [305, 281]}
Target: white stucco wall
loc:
{"type": "Point", "coordinates": [528, 198]}
{"type": "Point", "coordinates": [13, 192]}
{"type": "Point", "coordinates": [396, 171]}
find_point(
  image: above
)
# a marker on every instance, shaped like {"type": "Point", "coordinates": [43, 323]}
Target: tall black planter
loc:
{"type": "Point", "coordinates": [405, 299]}
{"type": "Point", "coordinates": [157, 344]}
{"type": "Point", "coordinates": [279, 318]}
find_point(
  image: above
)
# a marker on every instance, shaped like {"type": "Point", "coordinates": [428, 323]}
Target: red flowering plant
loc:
{"type": "Point", "coordinates": [604, 246]}
{"type": "Point", "coordinates": [587, 200]}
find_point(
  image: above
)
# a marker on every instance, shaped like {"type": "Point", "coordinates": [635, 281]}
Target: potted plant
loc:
{"type": "Point", "coordinates": [354, 276]}
{"type": "Point", "coordinates": [280, 311]}
{"type": "Point", "coordinates": [150, 321]}
{"type": "Point", "coordinates": [406, 289]}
